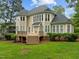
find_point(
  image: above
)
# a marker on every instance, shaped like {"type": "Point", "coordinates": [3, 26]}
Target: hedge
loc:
{"type": "Point", "coordinates": [71, 37]}
{"type": "Point", "coordinates": [10, 36]}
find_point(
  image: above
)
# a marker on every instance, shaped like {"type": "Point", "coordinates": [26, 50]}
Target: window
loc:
{"type": "Point", "coordinates": [22, 18]}
{"type": "Point", "coordinates": [45, 17]}
{"type": "Point", "coordinates": [48, 17]}
{"type": "Point", "coordinates": [42, 17]}
{"type": "Point", "coordinates": [68, 28]}
{"type": "Point", "coordinates": [38, 18]}
{"type": "Point", "coordinates": [54, 28]}
{"type": "Point", "coordinates": [45, 28]}
{"type": "Point", "coordinates": [57, 29]}
{"type": "Point", "coordinates": [48, 28]}
{"type": "Point", "coordinates": [61, 28]}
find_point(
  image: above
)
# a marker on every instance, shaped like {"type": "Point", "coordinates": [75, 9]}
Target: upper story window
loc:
{"type": "Point", "coordinates": [22, 18]}
{"type": "Point", "coordinates": [47, 17]}
{"type": "Point", "coordinates": [37, 18]}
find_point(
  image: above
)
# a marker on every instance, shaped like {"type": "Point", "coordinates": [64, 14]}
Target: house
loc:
{"type": "Point", "coordinates": [34, 24]}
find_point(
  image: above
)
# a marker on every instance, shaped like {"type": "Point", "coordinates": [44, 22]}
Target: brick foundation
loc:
{"type": "Point", "coordinates": [32, 40]}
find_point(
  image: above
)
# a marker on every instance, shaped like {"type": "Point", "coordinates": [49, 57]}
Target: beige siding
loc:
{"type": "Point", "coordinates": [29, 21]}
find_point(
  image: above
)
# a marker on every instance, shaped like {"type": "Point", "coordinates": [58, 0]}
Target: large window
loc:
{"type": "Point", "coordinates": [20, 28]}
{"type": "Point", "coordinates": [38, 18]}
{"type": "Point", "coordinates": [47, 17]}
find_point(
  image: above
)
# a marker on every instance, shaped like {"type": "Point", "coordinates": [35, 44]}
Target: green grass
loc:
{"type": "Point", "coordinates": [51, 50]}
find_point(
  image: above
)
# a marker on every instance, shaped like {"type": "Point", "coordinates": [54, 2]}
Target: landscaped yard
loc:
{"type": "Point", "coordinates": [51, 50]}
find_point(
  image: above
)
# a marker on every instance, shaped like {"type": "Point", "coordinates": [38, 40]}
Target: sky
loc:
{"type": "Point", "coordinates": [30, 4]}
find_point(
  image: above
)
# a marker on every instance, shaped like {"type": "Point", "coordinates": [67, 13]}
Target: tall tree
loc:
{"type": "Point", "coordinates": [75, 18]}
{"type": "Point", "coordinates": [9, 9]}
{"type": "Point", "coordinates": [58, 9]}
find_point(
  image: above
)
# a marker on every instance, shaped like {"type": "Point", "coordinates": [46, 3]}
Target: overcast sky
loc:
{"type": "Point", "coordinates": [29, 4]}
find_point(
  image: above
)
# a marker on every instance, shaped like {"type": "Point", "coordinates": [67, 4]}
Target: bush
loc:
{"type": "Point", "coordinates": [10, 36]}
{"type": "Point", "coordinates": [71, 37]}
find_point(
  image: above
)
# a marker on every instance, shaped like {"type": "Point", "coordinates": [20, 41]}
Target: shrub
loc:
{"type": "Point", "coordinates": [10, 36]}
{"type": "Point", "coordinates": [7, 37]}
{"type": "Point", "coordinates": [71, 37]}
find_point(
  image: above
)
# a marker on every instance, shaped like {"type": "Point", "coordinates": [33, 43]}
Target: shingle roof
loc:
{"type": "Point", "coordinates": [36, 10]}
{"type": "Point", "coordinates": [59, 19]}
{"type": "Point", "coordinates": [23, 12]}
{"type": "Point", "coordinates": [39, 9]}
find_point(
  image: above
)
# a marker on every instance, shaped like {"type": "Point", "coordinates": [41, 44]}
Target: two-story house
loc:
{"type": "Point", "coordinates": [40, 21]}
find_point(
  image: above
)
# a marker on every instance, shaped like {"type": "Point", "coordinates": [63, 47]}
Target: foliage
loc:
{"type": "Point", "coordinates": [59, 9]}
{"type": "Point", "coordinates": [10, 36]}
{"type": "Point", "coordinates": [9, 9]}
{"type": "Point", "coordinates": [69, 36]}
{"type": "Point", "coordinates": [75, 17]}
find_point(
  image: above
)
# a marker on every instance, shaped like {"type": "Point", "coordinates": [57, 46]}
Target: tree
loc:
{"type": "Point", "coordinates": [3, 6]}
{"type": "Point", "coordinates": [75, 18]}
{"type": "Point", "coordinates": [9, 9]}
{"type": "Point", "coordinates": [58, 9]}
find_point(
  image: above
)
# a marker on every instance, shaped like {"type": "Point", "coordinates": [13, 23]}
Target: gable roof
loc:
{"type": "Point", "coordinates": [60, 19]}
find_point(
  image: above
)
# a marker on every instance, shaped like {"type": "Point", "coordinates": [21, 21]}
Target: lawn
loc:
{"type": "Point", "coordinates": [50, 50]}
